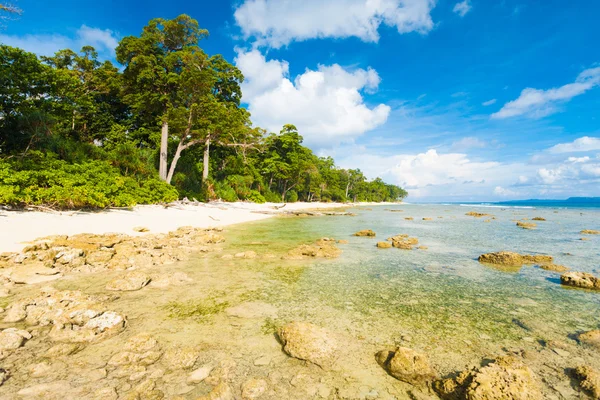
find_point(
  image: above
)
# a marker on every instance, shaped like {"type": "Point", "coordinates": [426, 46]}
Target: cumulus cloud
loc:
{"type": "Point", "coordinates": [462, 8]}
{"type": "Point", "coordinates": [104, 40]}
{"type": "Point", "coordinates": [500, 191]}
{"type": "Point", "coordinates": [489, 102]}
{"type": "Point", "coordinates": [582, 144]}
{"type": "Point", "coordinates": [537, 103]}
{"type": "Point", "coordinates": [276, 23]}
{"type": "Point", "coordinates": [326, 105]}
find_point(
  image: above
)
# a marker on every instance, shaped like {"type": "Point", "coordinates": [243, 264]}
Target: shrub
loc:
{"type": "Point", "coordinates": [225, 192]}
{"type": "Point", "coordinates": [272, 197]}
{"type": "Point", "coordinates": [256, 197]}
{"type": "Point", "coordinates": [291, 196]}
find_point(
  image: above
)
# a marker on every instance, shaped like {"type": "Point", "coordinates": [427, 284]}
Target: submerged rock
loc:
{"type": "Point", "coordinates": [409, 219]}
{"type": "Point", "coordinates": [507, 378]}
{"type": "Point", "coordinates": [384, 245]}
{"type": "Point", "coordinates": [220, 392]}
{"type": "Point", "coordinates": [406, 365]}
{"type": "Point", "coordinates": [365, 233]}
{"type": "Point", "coordinates": [130, 282]}
{"type": "Point", "coordinates": [526, 225]}
{"type": "Point", "coordinates": [309, 342]}
{"type": "Point", "coordinates": [508, 258]}
{"type": "Point", "coordinates": [323, 248]}
{"type": "Point", "coordinates": [403, 242]}
{"type": "Point", "coordinates": [538, 219]}
{"type": "Point", "coordinates": [589, 380]}
{"type": "Point", "coordinates": [253, 389]}
{"type": "Point", "coordinates": [581, 280]}
{"type": "Point", "coordinates": [554, 267]}
{"type": "Point", "coordinates": [590, 232]}
{"type": "Point", "coordinates": [477, 214]}
{"type": "Point", "coordinates": [591, 338]}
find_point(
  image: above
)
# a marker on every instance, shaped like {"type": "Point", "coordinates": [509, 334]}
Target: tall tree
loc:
{"type": "Point", "coordinates": [154, 64]}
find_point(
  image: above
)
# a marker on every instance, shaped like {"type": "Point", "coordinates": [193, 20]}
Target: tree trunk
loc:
{"type": "Point", "coordinates": [164, 148]}
{"type": "Point", "coordinates": [206, 160]}
{"type": "Point", "coordinates": [347, 188]}
{"type": "Point", "coordinates": [283, 193]}
{"type": "Point", "coordinates": [174, 161]}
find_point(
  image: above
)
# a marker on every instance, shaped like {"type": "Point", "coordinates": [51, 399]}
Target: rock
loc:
{"type": "Point", "coordinates": [384, 245]}
{"type": "Point", "coordinates": [62, 349]}
{"type": "Point", "coordinates": [409, 218]}
{"type": "Point", "coordinates": [323, 248]}
{"type": "Point", "coordinates": [227, 257]}
{"type": "Point", "coordinates": [526, 225]}
{"type": "Point", "coordinates": [554, 267]}
{"type": "Point", "coordinates": [221, 392]}
{"type": "Point", "coordinates": [106, 321]}
{"type": "Point", "coordinates": [12, 338]}
{"type": "Point", "coordinates": [342, 241]}
{"type": "Point", "coordinates": [170, 279]}
{"type": "Point", "coordinates": [141, 229]}
{"type": "Point", "coordinates": [590, 232]}
{"type": "Point", "coordinates": [4, 375]}
{"type": "Point", "coordinates": [406, 365]}
{"type": "Point", "coordinates": [107, 393]}
{"type": "Point", "coordinates": [262, 361]}
{"type": "Point", "coordinates": [181, 357]}
{"type": "Point", "coordinates": [423, 248]}
{"type": "Point", "coordinates": [253, 389]}
{"type": "Point", "coordinates": [365, 233]}
{"type": "Point", "coordinates": [477, 215]}
{"type": "Point", "coordinates": [538, 219]}
{"type": "Point", "coordinates": [581, 280]}
{"type": "Point", "coordinates": [132, 281]}
{"type": "Point", "coordinates": [253, 309]}
{"type": "Point", "coordinates": [309, 342]}
{"type": "Point", "coordinates": [591, 338]}
{"type": "Point", "coordinates": [508, 258]}
{"type": "Point", "coordinates": [199, 375]}
{"type": "Point", "coordinates": [507, 378]}
{"type": "Point", "coordinates": [403, 241]}
{"type": "Point", "coordinates": [45, 390]}
{"type": "Point", "coordinates": [589, 379]}
{"type": "Point", "coordinates": [427, 219]}
{"type": "Point", "coordinates": [141, 343]}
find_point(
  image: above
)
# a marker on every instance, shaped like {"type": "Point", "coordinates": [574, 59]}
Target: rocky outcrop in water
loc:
{"type": "Point", "coordinates": [589, 380]}
{"type": "Point", "coordinates": [591, 338]}
{"type": "Point", "coordinates": [538, 219]}
{"type": "Point", "coordinates": [384, 245]}
{"type": "Point", "coordinates": [590, 232]}
{"type": "Point", "coordinates": [72, 316]}
{"type": "Point", "coordinates": [507, 378]}
{"type": "Point", "coordinates": [406, 365]}
{"type": "Point", "coordinates": [50, 258]}
{"type": "Point", "coordinates": [477, 214]}
{"type": "Point", "coordinates": [526, 225]}
{"type": "Point", "coordinates": [365, 233]}
{"type": "Point", "coordinates": [309, 342]}
{"type": "Point", "coordinates": [322, 248]}
{"type": "Point", "coordinates": [580, 280]}
{"type": "Point", "coordinates": [554, 267]}
{"type": "Point", "coordinates": [507, 258]}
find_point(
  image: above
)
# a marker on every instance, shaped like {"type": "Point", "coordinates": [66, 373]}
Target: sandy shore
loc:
{"type": "Point", "coordinates": [18, 228]}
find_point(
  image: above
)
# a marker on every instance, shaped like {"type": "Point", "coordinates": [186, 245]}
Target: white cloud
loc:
{"type": "Point", "coordinates": [500, 191]}
{"type": "Point", "coordinates": [537, 103]}
{"type": "Point", "coordinates": [462, 8]}
{"type": "Point", "coordinates": [585, 143]}
{"type": "Point", "coordinates": [104, 40]}
{"type": "Point", "coordinates": [326, 105]}
{"type": "Point", "coordinates": [489, 102]}
{"type": "Point", "coordinates": [468, 143]}
{"type": "Point", "coordinates": [276, 23]}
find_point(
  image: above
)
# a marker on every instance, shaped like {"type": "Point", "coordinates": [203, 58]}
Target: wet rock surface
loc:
{"type": "Point", "coordinates": [309, 342]}
{"type": "Point", "coordinates": [406, 365]}
{"type": "Point", "coordinates": [477, 214]}
{"type": "Point", "coordinates": [526, 225]}
{"type": "Point", "coordinates": [322, 248]}
{"type": "Point", "coordinates": [589, 380]}
{"type": "Point", "coordinates": [507, 258]}
{"type": "Point", "coordinates": [581, 280]}
{"type": "Point", "coordinates": [504, 379]}
{"type": "Point", "coordinates": [365, 233]}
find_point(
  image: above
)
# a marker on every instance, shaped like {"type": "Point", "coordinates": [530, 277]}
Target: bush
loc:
{"type": "Point", "coordinates": [256, 197]}
{"type": "Point", "coordinates": [291, 196]}
{"type": "Point", "coordinates": [225, 192]}
{"type": "Point", "coordinates": [272, 197]}
{"type": "Point", "coordinates": [44, 180]}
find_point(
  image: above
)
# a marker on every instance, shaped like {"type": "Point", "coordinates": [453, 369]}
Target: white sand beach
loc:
{"type": "Point", "coordinates": [19, 227]}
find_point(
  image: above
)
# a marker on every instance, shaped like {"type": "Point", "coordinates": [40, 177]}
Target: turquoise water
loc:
{"type": "Point", "coordinates": [442, 298]}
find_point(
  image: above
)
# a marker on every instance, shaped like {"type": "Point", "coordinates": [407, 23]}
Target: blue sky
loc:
{"type": "Point", "coordinates": [455, 100]}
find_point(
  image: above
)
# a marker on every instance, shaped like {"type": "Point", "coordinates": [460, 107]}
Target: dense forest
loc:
{"type": "Point", "coordinates": [167, 123]}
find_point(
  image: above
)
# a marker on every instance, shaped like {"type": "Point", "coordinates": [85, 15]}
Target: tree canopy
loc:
{"type": "Point", "coordinates": [170, 123]}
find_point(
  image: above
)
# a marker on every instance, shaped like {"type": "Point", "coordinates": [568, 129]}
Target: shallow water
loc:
{"type": "Point", "coordinates": [439, 301]}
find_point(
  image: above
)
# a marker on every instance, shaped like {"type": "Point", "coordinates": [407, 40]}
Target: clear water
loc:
{"type": "Point", "coordinates": [439, 301]}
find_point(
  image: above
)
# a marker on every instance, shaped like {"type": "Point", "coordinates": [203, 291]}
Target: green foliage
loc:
{"type": "Point", "coordinates": [78, 132]}
{"type": "Point", "coordinates": [91, 184]}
